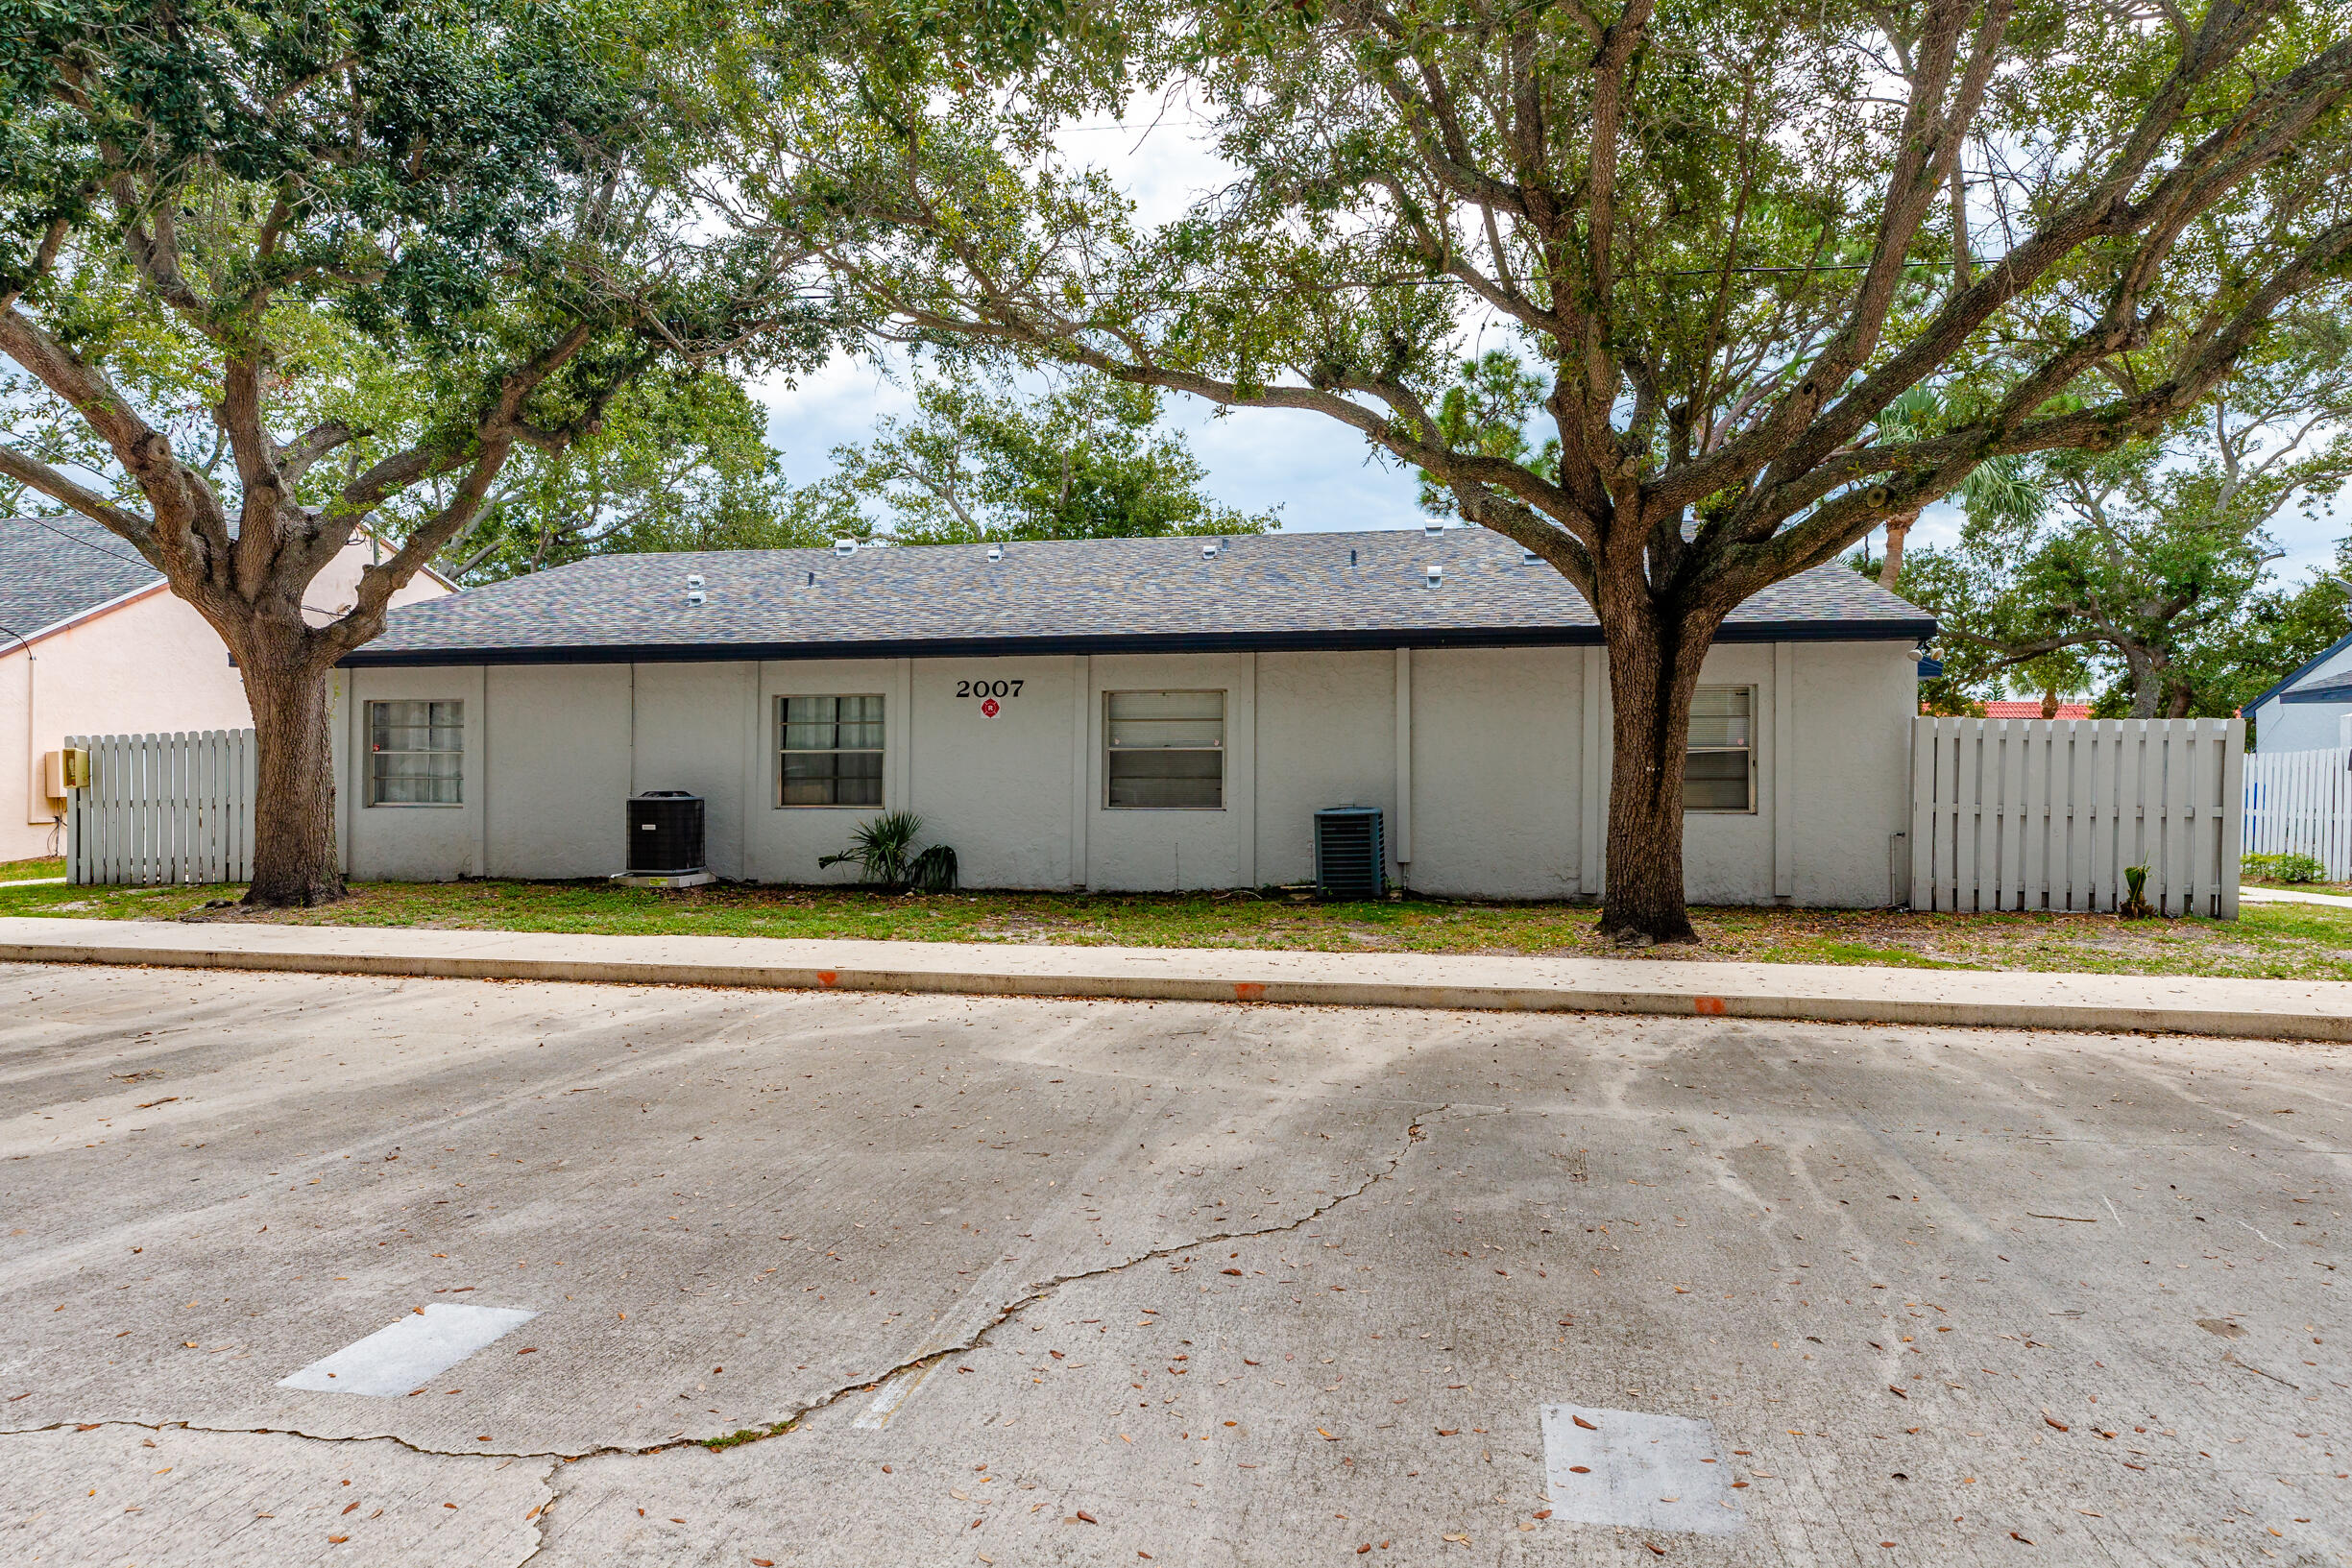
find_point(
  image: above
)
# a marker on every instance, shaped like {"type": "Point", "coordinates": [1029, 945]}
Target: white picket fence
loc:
{"type": "Point", "coordinates": [2300, 803]}
{"type": "Point", "coordinates": [2047, 815]}
{"type": "Point", "coordinates": [163, 808]}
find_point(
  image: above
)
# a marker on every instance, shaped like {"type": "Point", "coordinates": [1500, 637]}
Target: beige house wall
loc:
{"type": "Point", "coordinates": [147, 663]}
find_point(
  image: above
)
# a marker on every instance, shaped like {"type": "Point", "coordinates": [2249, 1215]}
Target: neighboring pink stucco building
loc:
{"type": "Point", "coordinates": [92, 642]}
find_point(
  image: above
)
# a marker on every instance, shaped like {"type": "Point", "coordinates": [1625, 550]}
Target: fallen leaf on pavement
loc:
{"type": "Point", "coordinates": [1582, 1422]}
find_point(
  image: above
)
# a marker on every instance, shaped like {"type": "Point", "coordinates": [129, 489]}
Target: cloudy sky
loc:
{"type": "Point", "coordinates": [1318, 474]}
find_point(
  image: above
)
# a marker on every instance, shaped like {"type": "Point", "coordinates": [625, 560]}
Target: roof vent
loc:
{"type": "Point", "coordinates": [693, 587]}
{"type": "Point", "coordinates": [694, 596]}
{"type": "Point", "coordinates": [1436, 575]}
{"type": "Point", "coordinates": [1208, 550]}
{"type": "Point", "coordinates": [1528, 557]}
{"type": "Point", "coordinates": [1431, 530]}
{"type": "Point", "coordinates": [845, 547]}
{"type": "Point", "coordinates": [996, 552]}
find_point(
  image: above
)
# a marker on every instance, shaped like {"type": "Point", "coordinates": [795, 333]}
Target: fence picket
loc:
{"type": "Point", "coordinates": [163, 808]}
{"type": "Point", "coordinates": [2042, 814]}
{"type": "Point", "coordinates": [2300, 803]}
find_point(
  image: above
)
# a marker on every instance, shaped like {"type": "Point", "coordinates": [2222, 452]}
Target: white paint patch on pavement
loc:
{"type": "Point", "coordinates": [417, 1348]}
{"type": "Point", "coordinates": [877, 1416]}
{"type": "Point", "coordinates": [1634, 1469]}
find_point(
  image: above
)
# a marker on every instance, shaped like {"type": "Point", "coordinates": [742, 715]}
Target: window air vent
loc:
{"type": "Point", "coordinates": [1350, 853]}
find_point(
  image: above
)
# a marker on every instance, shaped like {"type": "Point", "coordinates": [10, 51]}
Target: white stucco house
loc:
{"type": "Point", "coordinates": [2310, 710]}
{"type": "Point", "coordinates": [1126, 714]}
{"type": "Point", "coordinates": [93, 641]}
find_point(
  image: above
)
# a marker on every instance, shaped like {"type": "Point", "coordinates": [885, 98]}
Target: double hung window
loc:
{"type": "Point", "coordinates": [1164, 750]}
{"type": "Point", "coordinates": [831, 751]}
{"type": "Point", "coordinates": [416, 752]}
{"type": "Point", "coordinates": [1719, 763]}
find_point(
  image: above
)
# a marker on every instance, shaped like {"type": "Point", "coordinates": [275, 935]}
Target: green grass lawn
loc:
{"type": "Point", "coordinates": [2277, 941]}
{"type": "Point", "coordinates": [17, 870]}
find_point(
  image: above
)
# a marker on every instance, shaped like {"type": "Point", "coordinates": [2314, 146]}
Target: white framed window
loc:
{"type": "Point", "coordinates": [1164, 750]}
{"type": "Point", "coordinates": [829, 750]}
{"type": "Point", "coordinates": [1719, 758]}
{"type": "Point", "coordinates": [416, 752]}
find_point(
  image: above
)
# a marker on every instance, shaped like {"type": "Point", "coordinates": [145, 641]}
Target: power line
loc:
{"type": "Point", "coordinates": [88, 544]}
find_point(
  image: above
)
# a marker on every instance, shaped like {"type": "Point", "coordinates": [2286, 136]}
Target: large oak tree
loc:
{"type": "Point", "coordinates": [394, 243]}
{"type": "Point", "coordinates": [1735, 237]}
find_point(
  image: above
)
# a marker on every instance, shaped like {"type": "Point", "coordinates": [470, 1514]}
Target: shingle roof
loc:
{"type": "Point", "coordinates": [1273, 591]}
{"type": "Point", "coordinates": [2322, 657]}
{"type": "Point", "coordinates": [54, 569]}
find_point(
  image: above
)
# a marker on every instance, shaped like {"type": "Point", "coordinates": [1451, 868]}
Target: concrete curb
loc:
{"type": "Point", "coordinates": [2317, 1010]}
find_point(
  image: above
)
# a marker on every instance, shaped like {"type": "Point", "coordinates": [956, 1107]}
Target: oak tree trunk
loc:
{"type": "Point", "coordinates": [1653, 659]}
{"type": "Point", "coordinates": [294, 859]}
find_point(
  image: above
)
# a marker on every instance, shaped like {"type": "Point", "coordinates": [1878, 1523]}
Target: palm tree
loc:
{"type": "Point", "coordinates": [1997, 490]}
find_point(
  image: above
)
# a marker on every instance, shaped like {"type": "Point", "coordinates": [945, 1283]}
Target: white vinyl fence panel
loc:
{"type": "Point", "coordinates": [163, 808]}
{"type": "Point", "coordinates": [2300, 803]}
{"type": "Point", "coordinates": [2047, 813]}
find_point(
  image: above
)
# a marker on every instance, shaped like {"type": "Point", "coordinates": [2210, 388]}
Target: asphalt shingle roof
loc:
{"type": "Point", "coordinates": [1273, 590]}
{"type": "Point", "coordinates": [54, 569]}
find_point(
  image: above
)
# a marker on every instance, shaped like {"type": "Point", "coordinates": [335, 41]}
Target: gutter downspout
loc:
{"type": "Point", "coordinates": [1404, 761]}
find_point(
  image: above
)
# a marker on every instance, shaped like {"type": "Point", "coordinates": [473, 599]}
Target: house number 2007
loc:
{"type": "Point", "coordinates": [988, 688]}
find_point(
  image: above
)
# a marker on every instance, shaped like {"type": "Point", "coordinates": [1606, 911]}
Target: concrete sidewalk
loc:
{"type": "Point", "coordinates": [2266, 1010]}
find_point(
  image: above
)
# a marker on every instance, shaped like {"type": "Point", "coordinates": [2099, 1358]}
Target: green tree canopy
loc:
{"type": "Point", "coordinates": [1730, 234]}
{"type": "Point", "coordinates": [2144, 564]}
{"type": "Point", "coordinates": [1084, 460]}
{"type": "Point", "coordinates": [272, 271]}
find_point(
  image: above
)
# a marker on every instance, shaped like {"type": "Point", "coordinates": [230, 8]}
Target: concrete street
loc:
{"type": "Point", "coordinates": [1008, 1281]}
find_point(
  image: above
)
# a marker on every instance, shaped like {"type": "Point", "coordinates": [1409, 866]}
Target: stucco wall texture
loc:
{"type": "Point", "coordinates": [1491, 766]}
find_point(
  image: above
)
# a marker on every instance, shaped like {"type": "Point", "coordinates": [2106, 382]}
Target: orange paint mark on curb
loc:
{"type": "Point", "coordinates": [1249, 991]}
{"type": "Point", "coordinates": [1711, 1006]}
{"type": "Point", "coordinates": [827, 976]}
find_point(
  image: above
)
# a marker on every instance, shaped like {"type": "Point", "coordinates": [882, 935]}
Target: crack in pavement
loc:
{"type": "Point", "coordinates": [922, 1361]}
{"type": "Point", "coordinates": [932, 1355]}
{"type": "Point", "coordinates": [547, 1469]}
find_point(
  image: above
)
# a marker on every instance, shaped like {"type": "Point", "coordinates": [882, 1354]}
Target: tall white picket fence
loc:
{"type": "Point", "coordinates": [2046, 814]}
{"type": "Point", "coordinates": [163, 808]}
{"type": "Point", "coordinates": [2300, 803]}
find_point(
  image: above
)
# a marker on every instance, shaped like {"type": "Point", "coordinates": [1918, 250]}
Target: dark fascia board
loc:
{"type": "Point", "coordinates": [1031, 647]}
{"type": "Point", "coordinates": [2341, 692]}
{"type": "Point", "coordinates": [2324, 655]}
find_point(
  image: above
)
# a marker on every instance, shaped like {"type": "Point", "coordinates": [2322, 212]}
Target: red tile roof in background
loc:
{"type": "Point", "coordinates": [2032, 708]}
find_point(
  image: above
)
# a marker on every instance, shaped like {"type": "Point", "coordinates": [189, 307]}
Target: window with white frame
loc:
{"type": "Point", "coordinates": [1719, 762]}
{"type": "Point", "coordinates": [1164, 750]}
{"type": "Point", "coordinates": [416, 752]}
{"type": "Point", "coordinates": [830, 751]}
